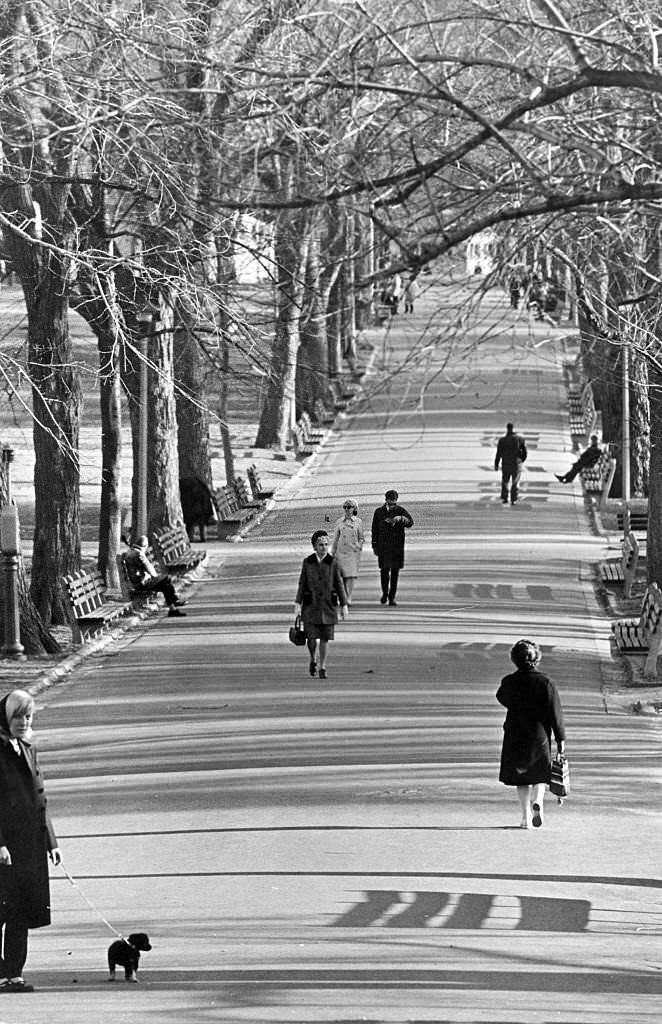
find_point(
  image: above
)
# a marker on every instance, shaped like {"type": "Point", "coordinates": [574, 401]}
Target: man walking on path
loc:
{"type": "Point", "coordinates": [588, 458]}
{"type": "Point", "coordinates": [389, 523]}
{"type": "Point", "coordinates": [510, 454]}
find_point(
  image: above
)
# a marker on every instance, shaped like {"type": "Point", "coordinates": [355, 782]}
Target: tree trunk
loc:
{"type": "Point", "coordinates": [163, 502]}
{"type": "Point", "coordinates": [312, 363]}
{"type": "Point", "coordinates": [57, 406]}
{"type": "Point", "coordinates": [110, 510]}
{"type": "Point", "coordinates": [191, 408]}
{"type": "Point", "coordinates": [291, 250]}
{"type": "Point", "coordinates": [654, 539]}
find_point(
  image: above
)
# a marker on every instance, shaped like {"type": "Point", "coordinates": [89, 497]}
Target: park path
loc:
{"type": "Point", "coordinates": [342, 851]}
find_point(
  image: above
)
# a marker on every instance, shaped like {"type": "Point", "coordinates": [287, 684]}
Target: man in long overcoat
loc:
{"type": "Point", "coordinates": [319, 594]}
{"type": "Point", "coordinates": [389, 523]}
{"type": "Point", "coordinates": [510, 454]}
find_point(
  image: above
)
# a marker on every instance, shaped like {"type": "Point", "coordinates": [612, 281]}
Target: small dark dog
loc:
{"type": "Point", "coordinates": [126, 953]}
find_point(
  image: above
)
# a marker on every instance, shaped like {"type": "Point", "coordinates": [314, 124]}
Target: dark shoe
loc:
{"type": "Point", "coordinates": [536, 820]}
{"type": "Point", "coordinates": [322, 673]}
{"type": "Point", "coordinates": [383, 599]}
{"type": "Point", "coordinates": [179, 602]}
{"type": "Point", "coordinates": [560, 479]}
{"type": "Point", "coordinates": [392, 601]}
{"type": "Point", "coordinates": [312, 667]}
{"type": "Point", "coordinates": [16, 986]}
{"type": "Point", "coordinates": [174, 613]}
{"type": "Point", "coordinates": [504, 501]}
{"type": "Point", "coordinates": [514, 501]}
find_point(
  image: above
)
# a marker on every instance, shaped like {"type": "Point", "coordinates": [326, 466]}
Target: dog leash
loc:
{"type": "Point", "coordinates": [91, 905]}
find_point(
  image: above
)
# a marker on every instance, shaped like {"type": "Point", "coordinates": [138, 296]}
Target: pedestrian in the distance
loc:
{"type": "Point", "coordinates": [27, 840]}
{"type": "Point", "coordinates": [511, 455]}
{"type": "Point", "coordinates": [588, 458]}
{"type": "Point", "coordinates": [395, 293]}
{"type": "Point", "coordinates": [320, 593]}
{"type": "Point", "coordinates": [389, 523]}
{"type": "Point", "coordinates": [347, 544]}
{"type": "Point", "coordinates": [533, 714]}
{"type": "Point", "coordinates": [412, 291]}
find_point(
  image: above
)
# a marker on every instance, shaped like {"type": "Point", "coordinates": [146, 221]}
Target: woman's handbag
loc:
{"type": "Point", "coordinates": [559, 783]}
{"type": "Point", "coordinates": [297, 633]}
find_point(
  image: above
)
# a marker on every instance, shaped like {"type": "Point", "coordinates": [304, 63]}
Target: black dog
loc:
{"type": "Point", "coordinates": [126, 953]}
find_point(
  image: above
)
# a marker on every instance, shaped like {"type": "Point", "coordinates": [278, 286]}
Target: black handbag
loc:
{"type": "Point", "coordinates": [559, 783]}
{"type": "Point", "coordinates": [297, 633]}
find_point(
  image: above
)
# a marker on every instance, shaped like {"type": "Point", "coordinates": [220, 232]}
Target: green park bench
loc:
{"type": "Point", "coordinates": [173, 550]}
{"type": "Point", "coordinates": [624, 569]}
{"type": "Point", "coordinates": [90, 610]}
{"type": "Point", "coordinates": [644, 634]}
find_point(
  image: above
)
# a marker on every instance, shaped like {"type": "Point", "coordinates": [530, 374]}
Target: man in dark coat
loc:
{"type": "Point", "coordinates": [319, 593]}
{"type": "Point", "coordinates": [145, 578]}
{"type": "Point", "coordinates": [198, 506]}
{"type": "Point", "coordinates": [26, 839]}
{"type": "Point", "coordinates": [588, 458]}
{"type": "Point", "coordinates": [389, 523]}
{"type": "Point", "coordinates": [511, 453]}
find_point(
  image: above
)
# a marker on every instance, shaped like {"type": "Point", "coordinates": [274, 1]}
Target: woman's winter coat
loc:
{"type": "Point", "coordinates": [388, 538]}
{"type": "Point", "coordinates": [26, 830]}
{"type": "Point", "coordinates": [346, 545]}
{"type": "Point", "coordinates": [318, 582]}
{"type": "Point", "coordinates": [533, 714]}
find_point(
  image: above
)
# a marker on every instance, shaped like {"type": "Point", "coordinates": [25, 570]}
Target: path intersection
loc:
{"type": "Point", "coordinates": [341, 850]}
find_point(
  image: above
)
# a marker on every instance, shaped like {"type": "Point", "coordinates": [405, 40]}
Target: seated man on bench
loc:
{"type": "Point", "coordinates": [144, 577]}
{"type": "Point", "coordinates": [588, 458]}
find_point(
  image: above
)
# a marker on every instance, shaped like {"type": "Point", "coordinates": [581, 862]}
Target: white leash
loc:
{"type": "Point", "coordinates": [91, 904]}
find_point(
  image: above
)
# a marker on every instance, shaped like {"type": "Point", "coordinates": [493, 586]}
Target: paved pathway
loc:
{"type": "Point", "coordinates": [342, 851]}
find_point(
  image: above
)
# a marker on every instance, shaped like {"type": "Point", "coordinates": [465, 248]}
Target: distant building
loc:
{"type": "Point", "coordinates": [482, 253]}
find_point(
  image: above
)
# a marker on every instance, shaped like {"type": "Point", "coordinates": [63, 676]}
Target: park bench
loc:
{"type": "Point", "coordinates": [302, 449]}
{"type": "Point", "coordinates": [622, 570]}
{"type": "Point", "coordinates": [323, 416]}
{"type": "Point", "coordinates": [638, 516]}
{"type": "Point", "coordinates": [90, 610]}
{"type": "Point", "coordinates": [643, 635]}
{"type": "Point", "coordinates": [583, 414]}
{"type": "Point", "coordinates": [382, 312]}
{"type": "Point", "coordinates": [597, 479]}
{"type": "Point", "coordinates": [244, 496]}
{"type": "Point", "coordinates": [260, 493]}
{"type": "Point", "coordinates": [313, 434]}
{"type": "Point", "coordinates": [174, 552]}
{"type": "Point", "coordinates": [231, 517]}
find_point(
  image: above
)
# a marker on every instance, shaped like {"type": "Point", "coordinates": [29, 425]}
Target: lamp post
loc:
{"type": "Point", "coordinates": [626, 438]}
{"type": "Point", "coordinates": [10, 543]}
{"type": "Point", "coordinates": [145, 317]}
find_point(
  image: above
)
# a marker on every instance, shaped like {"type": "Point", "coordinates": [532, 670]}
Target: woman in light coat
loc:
{"type": "Point", "coordinates": [347, 544]}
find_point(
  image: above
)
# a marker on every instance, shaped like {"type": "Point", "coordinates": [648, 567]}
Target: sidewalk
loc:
{"type": "Point", "coordinates": [309, 851]}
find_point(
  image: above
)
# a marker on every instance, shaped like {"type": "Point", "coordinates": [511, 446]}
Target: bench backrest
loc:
{"type": "Point", "coordinates": [222, 503]}
{"type": "Point", "coordinates": [650, 619]}
{"type": "Point", "coordinates": [242, 492]}
{"type": "Point", "coordinates": [85, 592]}
{"type": "Point", "coordinates": [254, 480]}
{"type": "Point", "coordinates": [320, 410]}
{"type": "Point", "coordinates": [171, 542]}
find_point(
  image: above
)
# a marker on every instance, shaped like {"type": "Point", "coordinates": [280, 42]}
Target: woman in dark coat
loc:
{"type": "Point", "coordinates": [389, 523]}
{"type": "Point", "coordinates": [319, 581]}
{"type": "Point", "coordinates": [534, 713]}
{"type": "Point", "coordinates": [26, 839]}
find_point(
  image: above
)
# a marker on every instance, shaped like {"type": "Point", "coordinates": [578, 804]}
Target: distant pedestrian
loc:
{"type": "Point", "coordinates": [319, 594]}
{"type": "Point", "coordinates": [588, 458]}
{"type": "Point", "coordinates": [412, 291]}
{"type": "Point", "coordinates": [389, 523]}
{"type": "Point", "coordinates": [146, 579]}
{"type": "Point", "coordinates": [511, 454]}
{"type": "Point", "coordinates": [533, 713]}
{"type": "Point", "coordinates": [394, 293]}
{"type": "Point", "coordinates": [347, 544]}
{"type": "Point", "coordinates": [27, 840]}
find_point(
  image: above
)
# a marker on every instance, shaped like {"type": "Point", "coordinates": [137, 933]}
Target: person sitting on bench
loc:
{"type": "Point", "coordinates": [144, 577]}
{"type": "Point", "coordinates": [588, 458]}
